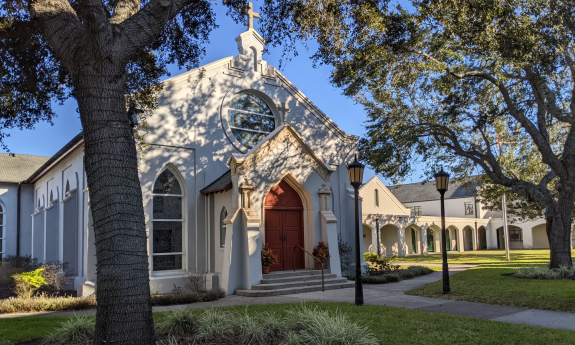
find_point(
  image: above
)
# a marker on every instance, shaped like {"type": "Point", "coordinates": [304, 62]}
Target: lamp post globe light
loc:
{"type": "Point", "coordinates": [355, 171]}
{"type": "Point", "coordinates": [441, 184]}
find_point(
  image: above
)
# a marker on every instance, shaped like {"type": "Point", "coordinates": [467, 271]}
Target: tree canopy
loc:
{"type": "Point", "coordinates": [479, 86]}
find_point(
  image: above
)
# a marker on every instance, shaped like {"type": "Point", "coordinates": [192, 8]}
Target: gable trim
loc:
{"type": "Point", "coordinates": [242, 164]}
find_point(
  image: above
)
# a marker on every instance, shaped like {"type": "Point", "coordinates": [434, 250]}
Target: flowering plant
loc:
{"type": "Point", "coordinates": [321, 251]}
{"type": "Point", "coordinates": [268, 256]}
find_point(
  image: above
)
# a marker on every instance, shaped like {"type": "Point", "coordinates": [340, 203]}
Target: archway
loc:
{"type": "Point", "coordinates": [430, 240]}
{"type": "Point", "coordinates": [451, 232]}
{"type": "Point", "coordinates": [389, 240]}
{"type": "Point", "coordinates": [467, 238]}
{"type": "Point", "coordinates": [482, 238]}
{"type": "Point", "coordinates": [412, 239]}
{"type": "Point", "coordinates": [367, 240]}
{"type": "Point", "coordinates": [284, 226]}
{"type": "Point", "coordinates": [515, 237]}
{"type": "Point", "coordinates": [540, 239]}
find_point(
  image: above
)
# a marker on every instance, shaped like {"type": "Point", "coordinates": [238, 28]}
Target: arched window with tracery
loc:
{"type": "Point", "coordinates": [2, 229]}
{"type": "Point", "coordinates": [376, 198]}
{"type": "Point", "coordinates": [223, 216]}
{"type": "Point", "coordinates": [168, 223]}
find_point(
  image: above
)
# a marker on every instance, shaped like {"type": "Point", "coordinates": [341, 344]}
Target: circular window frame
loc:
{"type": "Point", "coordinates": [224, 113]}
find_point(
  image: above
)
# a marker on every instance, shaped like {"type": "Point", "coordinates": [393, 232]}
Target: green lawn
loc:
{"type": "Point", "coordinates": [390, 325]}
{"type": "Point", "coordinates": [486, 284]}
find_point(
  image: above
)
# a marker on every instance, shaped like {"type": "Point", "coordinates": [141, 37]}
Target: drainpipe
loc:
{"type": "Point", "coordinates": [18, 219]}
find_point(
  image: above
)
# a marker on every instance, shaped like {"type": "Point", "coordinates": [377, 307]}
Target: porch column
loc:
{"type": "Point", "coordinates": [329, 229]}
{"type": "Point", "coordinates": [460, 241]}
{"type": "Point", "coordinates": [474, 231]}
{"type": "Point", "coordinates": [423, 236]}
{"type": "Point", "coordinates": [401, 246]}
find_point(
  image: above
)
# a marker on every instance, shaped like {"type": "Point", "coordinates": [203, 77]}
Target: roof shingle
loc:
{"type": "Point", "coordinates": [18, 167]}
{"type": "Point", "coordinates": [221, 184]}
{"type": "Point", "coordinates": [415, 192]}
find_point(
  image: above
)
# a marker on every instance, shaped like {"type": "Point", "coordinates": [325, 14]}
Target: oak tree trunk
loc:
{"type": "Point", "coordinates": [558, 227]}
{"type": "Point", "coordinates": [124, 311]}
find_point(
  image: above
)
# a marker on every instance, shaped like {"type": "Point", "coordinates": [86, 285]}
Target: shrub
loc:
{"type": "Point", "coordinates": [178, 323]}
{"type": "Point", "coordinates": [345, 251]}
{"type": "Point", "coordinates": [76, 330]}
{"type": "Point", "coordinates": [27, 283]}
{"type": "Point", "coordinates": [186, 297]}
{"type": "Point", "coordinates": [46, 303]}
{"type": "Point", "coordinates": [56, 276]}
{"type": "Point", "coordinates": [396, 276]}
{"type": "Point", "coordinates": [215, 324]}
{"type": "Point", "coordinates": [544, 273]}
{"type": "Point", "coordinates": [316, 326]}
{"type": "Point", "coordinates": [194, 281]}
{"type": "Point", "coordinates": [321, 252]}
{"type": "Point", "coordinates": [370, 257]}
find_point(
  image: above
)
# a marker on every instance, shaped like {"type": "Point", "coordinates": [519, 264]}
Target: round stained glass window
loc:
{"type": "Point", "coordinates": [250, 119]}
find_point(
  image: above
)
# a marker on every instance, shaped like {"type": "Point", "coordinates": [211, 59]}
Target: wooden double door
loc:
{"type": "Point", "coordinates": [284, 227]}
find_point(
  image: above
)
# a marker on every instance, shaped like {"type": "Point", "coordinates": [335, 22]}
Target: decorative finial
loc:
{"type": "Point", "coordinates": [283, 110]}
{"type": "Point", "coordinates": [251, 16]}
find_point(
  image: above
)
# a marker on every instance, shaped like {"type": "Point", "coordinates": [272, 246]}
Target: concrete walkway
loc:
{"type": "Point", "coordinates": [391, 295]}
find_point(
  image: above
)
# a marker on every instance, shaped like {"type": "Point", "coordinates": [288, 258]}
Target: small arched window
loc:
{"type": "Point", "coordinates": [67, 186]}
{"type": "Point", "coordinates": [167, 223]}
{"type": "Point", "coordinates": [51, 196]}
{"type": "Point", "coordinates": [39, 203]}
{"type": "Point", "coordinates": [223, 216]}
{"type": "Point", "coordinates": [2, 229]}
{"type": "Point", "coordinates": [376, 198]}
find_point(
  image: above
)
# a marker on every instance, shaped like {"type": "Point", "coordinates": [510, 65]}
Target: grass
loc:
{"type": "Point", "coordinates": [486, 284]}
{"type": "Point", "coordinates": [389, 325]}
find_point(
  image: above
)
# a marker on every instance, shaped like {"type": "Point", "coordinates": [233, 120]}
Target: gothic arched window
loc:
{"type": "Point", "coordinates": [250, 119]}
{"type": "Point", "coordinates": [223, 216]}
{"type": "Point", "coordinates": [67, 186]}
{"type": "Point", "coordinates": [376, 198]}
{"type": "Point", "coordinates": [2, 228]}
{"type": "Point", "coordinates": [167, 223]}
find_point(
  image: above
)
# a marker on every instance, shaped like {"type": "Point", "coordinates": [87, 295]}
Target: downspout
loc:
{"type": "Point", "coordinates": [18, 198]}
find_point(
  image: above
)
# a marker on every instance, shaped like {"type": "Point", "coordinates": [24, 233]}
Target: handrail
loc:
{"type": "Point", "coordinates": [315, 258]}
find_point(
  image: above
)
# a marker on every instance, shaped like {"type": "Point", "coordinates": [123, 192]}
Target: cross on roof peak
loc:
{"type": "Point", "coordinates": [251, 16]}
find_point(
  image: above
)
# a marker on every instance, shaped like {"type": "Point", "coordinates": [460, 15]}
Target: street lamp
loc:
{"type": "Point", "coordinates": [355, 171]}
{"type": "Point", "coordinates": [377, 227]}
{"type": "Point", "coordinates": [441, 183]}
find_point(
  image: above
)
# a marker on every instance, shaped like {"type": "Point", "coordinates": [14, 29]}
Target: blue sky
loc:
{"type": "Point", "coordinates": [46, 139]}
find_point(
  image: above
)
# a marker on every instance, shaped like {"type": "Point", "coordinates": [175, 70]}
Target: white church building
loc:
{"type": "Point", "coordinates": [238, 157]}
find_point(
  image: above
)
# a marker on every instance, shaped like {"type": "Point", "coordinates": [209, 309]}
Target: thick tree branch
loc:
{"type": "Point", "coordinates": [60, 25]}
{"type": "Point", "coordinates": [147, 24]}
{"type": "Point", "coordinates": [124, 9]}
{"type": "Point", "coordinates": [547, 178]}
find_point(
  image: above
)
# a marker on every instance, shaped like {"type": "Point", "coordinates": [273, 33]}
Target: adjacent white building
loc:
{"type": "Point", "coordinates": [409, 218]}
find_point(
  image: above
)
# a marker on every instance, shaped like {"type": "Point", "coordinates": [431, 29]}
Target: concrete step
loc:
{"type": "Point", "coordinates": [293, 284]}
{"type": "Point", "coordinates": [303, 278]}
{"type": "Point", "coordinates": [296, 273]}
{"type": "Point", "coordinates": [289, 291]}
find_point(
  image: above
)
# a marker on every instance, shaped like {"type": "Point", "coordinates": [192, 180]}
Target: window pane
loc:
{"type": "Point", "coordinates": [167, 237]}
{"type": "Point", "coordinates": [248, 102]}
{"type": "Point", "coordinates": [167, 184]}
{"type": "Point", "coordinates": [223, 216]}
{"type": "Point", "coordinates": [1, 209]}
{"type": "Point", "coordinates": [167, 207]}
{"type": "Point", "coordinates": [248, 139]}
{"type": "Point", "coordinates": [247, 121]}
{"type": "Point", "coordinates": [167, 262]}
{"type": "Point", "coordinates": [1, 220]}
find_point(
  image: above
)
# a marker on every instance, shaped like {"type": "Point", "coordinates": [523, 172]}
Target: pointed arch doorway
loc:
{"type": "Point", "coordinates": [284, 226]}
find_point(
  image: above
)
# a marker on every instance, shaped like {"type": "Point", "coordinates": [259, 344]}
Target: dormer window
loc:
{"type": "Point", "coordinates": [250, 119]}
{"type": "Point", "coordinates": [376, 196]}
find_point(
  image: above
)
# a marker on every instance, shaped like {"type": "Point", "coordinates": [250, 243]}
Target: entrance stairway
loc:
{"type": "Point", "coordinates": [292, 282]}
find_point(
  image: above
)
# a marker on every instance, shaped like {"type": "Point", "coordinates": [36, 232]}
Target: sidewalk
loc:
{"type": "Point", "coordinates": [391, 295]}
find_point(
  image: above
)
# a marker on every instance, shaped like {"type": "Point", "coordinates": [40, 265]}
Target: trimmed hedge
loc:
{"type": "Point", "coordinates": [46, 303]}
{"type": "Point", "coordinates": [392, 277]}
{"type": "Point", "coordinates": [544, 273]}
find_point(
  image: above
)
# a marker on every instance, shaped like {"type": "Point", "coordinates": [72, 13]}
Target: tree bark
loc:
{"type": "Point", "coordinates": [124, 311]}
{"type": "Point", "coordinates": [558, 227]}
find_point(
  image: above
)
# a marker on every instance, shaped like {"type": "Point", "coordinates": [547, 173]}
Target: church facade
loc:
{"type": "Point", "coordinates": [238, 158]}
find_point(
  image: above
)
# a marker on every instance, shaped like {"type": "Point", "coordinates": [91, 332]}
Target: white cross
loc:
{"type": "Point", "coordinates": [251, 16]}
{"type": "Point", "coordinates": [283, 110]}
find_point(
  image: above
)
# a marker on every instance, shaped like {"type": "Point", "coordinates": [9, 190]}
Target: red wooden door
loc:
{"type": "Point", "coordinates": [284, 226]}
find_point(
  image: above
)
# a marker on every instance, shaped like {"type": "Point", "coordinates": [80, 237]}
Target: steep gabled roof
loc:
{"type": "Point", "coordinates": [221, 184]}
{"type": "Point", "coordinates": [421, 191]}
{"type": "Point", "coordinates": [18, 167]}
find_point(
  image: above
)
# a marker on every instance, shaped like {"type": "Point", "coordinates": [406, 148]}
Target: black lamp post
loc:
{"type": "Point", "coordinates": [355, 171]}
{"type": "Point", "coordinates": [441, 183]}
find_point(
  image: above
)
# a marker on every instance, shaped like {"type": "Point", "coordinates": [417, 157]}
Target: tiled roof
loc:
{"type": "Point", "coordinates": [16, 168]}
{"type": "Point", "coordinates": [221, 184]}
{"type": "Point", "coordinates": [415, 192]}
